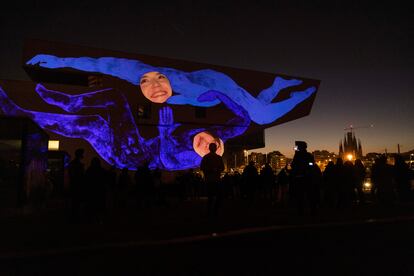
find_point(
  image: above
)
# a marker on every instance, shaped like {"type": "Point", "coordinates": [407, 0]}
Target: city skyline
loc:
{"type": "Point", "coordinates": [360, 52]}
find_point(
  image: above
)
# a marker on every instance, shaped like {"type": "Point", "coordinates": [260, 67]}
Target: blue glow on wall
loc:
{"type": "Point", "coordinates": [189, 86]}
{"type": "Point", "coordinates": [116, 138]}
{"type": "Point", "coordinates": [115, 135]}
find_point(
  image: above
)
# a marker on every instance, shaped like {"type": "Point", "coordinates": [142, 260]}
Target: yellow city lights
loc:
{"type": "Point", "coordinates": [350, 157]}
{"type": "Point", "coordinates": [367, 185]}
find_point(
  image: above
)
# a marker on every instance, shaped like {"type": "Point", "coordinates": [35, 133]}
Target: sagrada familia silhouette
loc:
{"type": "Point", "coordinates": [350, 145]}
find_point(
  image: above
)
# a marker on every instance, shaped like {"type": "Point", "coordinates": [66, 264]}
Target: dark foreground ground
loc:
{"type": "Point", "coordinates": [180, 240]}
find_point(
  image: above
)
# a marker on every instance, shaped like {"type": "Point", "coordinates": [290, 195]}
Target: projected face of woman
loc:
{"type": "Point", "coordinates": [156, 87]}
{"type": "Point", "coordinates": [201, 142]}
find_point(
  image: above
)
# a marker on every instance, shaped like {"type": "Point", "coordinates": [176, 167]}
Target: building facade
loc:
{"type": "Point", "coordinates": [95, 99]}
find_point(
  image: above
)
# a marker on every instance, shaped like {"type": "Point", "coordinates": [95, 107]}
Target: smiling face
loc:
{"type": "Point", "coordinates": [156, 87]}
{"type": "Point", "coordinates": [202, 141]}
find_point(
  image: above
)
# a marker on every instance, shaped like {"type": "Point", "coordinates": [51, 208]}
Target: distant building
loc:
{"type": "Point", "coordinates": [322, 157]}
{"type": "Point", "coordinates": [372, 156]}
{"type": "Point", "coordinates": [258, 158]}
{"type": "Point", "coordinates": [350, 148]}
{"type": "Point", "coordinates": [277, 160]}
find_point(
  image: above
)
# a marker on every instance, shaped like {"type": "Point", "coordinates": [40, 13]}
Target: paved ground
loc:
{"type": "Point", "coordinates": [180, 239]}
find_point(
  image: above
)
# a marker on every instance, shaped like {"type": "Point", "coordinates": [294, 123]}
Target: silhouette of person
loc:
{"type": "Point", "coordinates": [339, 178]}
{"type": "Point", "coordinates": [314, 189]}
{"type": "Point", "coordinates": [402, 179]}
{"type": "Point", "coordinates": [250, 178]}
{"type": "Point", "coordinates": [124, 182]}
{"type": "Point", "coordinates": [301, 176]}
{"type": "Point", "coordinates": [268, 178]}
{"type": "Point", "coordinates": [112, 187]}
{"type": "Point", "coordinates": [187, 86]}
{"type": "Point", "coordinates": [227, 181]}
{"type": "Point", "coordinates": [346, 190]}
{"type": "Point", "coordinates": [156, 177]}
{"type": "Point", "coordinates": [383, 180]}
{"type": "Point", "coordinates": [237, 184]}
{"type": "Point", "coordinates": [360, 173]}
{"type": "Point", "coordinates": [212, 165]}
{"type": "Point", "coordinates": [144, 186]}
{"type": "Point", "coordinates": [97, 183]}
{"type": "Point", "coordinates": [329, 185]}
{"type": "Point", "coordinates": [189, 182]}
{"type": "Point", "coordinates": [76, 171]}
{"type": "Point", "coordinates": [282, 185]}
{"type": "Point", "coordinates": [198, 185]}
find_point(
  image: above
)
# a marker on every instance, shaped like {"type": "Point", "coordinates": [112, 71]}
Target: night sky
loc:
{"type": "Point", "coordinates": [362, 53]}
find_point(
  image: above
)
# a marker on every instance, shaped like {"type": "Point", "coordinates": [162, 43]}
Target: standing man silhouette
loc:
{"type": "Point", "coordinates": [212, 165]}
{"type": "Point", "coordinates": [76, 182]}
{"type": "Point", "coordinates": [301, 178]}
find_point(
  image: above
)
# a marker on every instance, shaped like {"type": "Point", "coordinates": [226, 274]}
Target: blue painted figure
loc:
{"type": "Point", "coordinates": [117, 139]}
{"type": "Point", "coordinates": [188, 86]}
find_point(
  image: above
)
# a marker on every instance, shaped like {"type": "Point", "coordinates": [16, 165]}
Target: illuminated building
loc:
{"type": "Point", "coordinates": [322, 157]}
{"type": "Point", "coordinates": [99, 100]}
{"type": "Point", "coordinates": [277, 160]}
{"type": "Point", "coordinates": [350, 148]}
{"type": "Point", "coordinates": [258, 158]}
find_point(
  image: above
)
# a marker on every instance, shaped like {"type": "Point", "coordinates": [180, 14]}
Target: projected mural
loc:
{"type": "Point", "coordinates": [186, 87]}
{"type": "Point", "coordinates": [171, 139]}
{"type": "Point", "coordinates": [117, 139]}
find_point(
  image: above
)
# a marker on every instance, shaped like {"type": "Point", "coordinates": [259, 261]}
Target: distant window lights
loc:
{"type": "Point", "coordinates": [53, 145]}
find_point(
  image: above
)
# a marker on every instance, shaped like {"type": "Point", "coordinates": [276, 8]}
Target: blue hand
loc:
{"type": "Point", "coordinates": [166, 124]}
{"type": "Point", "coordinates": [47, 61]}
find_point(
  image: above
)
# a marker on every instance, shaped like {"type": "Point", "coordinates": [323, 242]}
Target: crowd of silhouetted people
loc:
{"type": "Point", "coordinates": [300, 186]}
